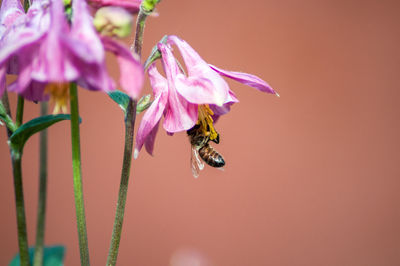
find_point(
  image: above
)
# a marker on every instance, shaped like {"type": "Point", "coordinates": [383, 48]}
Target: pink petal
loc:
{"type": "Point", "coordinates": [83, 38]}
{"type": "Point", "coordinates": [224, 109]}
{"type": "Point", "coordinates": [146, 132]}
{"type": "Point", "coordinates": [33, 91]}
{"type": "Point", "coordinates": [151, 137]}
{"type": "Point", "coordinates": [10, 11]}
{"type": "Point", "coordinates": [215, 91]}
{"type": "Point", "coordinates": [131, 70]}
{"type": "Point", "coordinates": [132, 5]}
{"type": "Point", "coordinates": [180, 114]}
{"type": "Point", "coordinates": [198, 90]}
{"type": "Point", "coordinates": [247, 79]}
{"type": "Point", "coordinates": [2, 80]}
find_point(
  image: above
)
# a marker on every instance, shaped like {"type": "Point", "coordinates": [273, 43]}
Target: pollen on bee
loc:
{"type": "Point", "coordinates": [59, 95]}
{"type": "Point", "coordinates": [206, 122]}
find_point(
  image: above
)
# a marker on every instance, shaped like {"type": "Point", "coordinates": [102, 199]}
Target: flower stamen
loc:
{"type": "Point", "coordinates": [59, 95]}
{"type": "Point", "coordinates": [206, 122]}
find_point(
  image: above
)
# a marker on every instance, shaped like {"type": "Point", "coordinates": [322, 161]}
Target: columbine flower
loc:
{"type": "Point", "coordinates": [47, 53]}
{"type": "Point", "coordinates": [199, 97]}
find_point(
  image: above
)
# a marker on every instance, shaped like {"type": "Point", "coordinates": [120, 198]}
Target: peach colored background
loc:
{"type": "Point", "coordinates": [312, 178]}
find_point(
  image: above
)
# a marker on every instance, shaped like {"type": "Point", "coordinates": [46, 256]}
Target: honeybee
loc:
{"type": "Point", "coordinates": [201, 151]}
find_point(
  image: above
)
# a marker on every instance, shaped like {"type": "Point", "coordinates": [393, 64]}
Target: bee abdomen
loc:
{"type": "Point", "coordinates": [211, 156]}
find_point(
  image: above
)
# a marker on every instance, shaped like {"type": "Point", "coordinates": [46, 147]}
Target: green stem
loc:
{"type": "Point", "coordinates": [20, 208]}
{"type": "Point", "coordinates": [76, 167]}
{"type": "Point", "coordinates": [126, 164]}
{"type": "Point", "coordinates": [140, 22]}
{"type": "Point", "coordinates": [19, 193]}
{"type": "Point", "coordinates": [39, 246]}
{"type": "Point", "coordinates": [20, 111]}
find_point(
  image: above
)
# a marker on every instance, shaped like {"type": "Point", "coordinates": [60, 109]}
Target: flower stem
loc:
{"type": "Point", "coordinates": [20, 208]}
{"type": "Point", "coordinates": [20, 111]}
{"type": "Point", "coordinates": [39, 246]}
{"type": "Point", "coordinates": [128, 148]}
{"type": "Point", "coordinates": [76, 167]}
{"type": "Point", "coordinates": [140, 22]}
{"type": "Point", "coordinates": [19, 193]}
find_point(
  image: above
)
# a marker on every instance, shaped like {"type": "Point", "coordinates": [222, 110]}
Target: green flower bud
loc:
{"type": "Point", "coordinates": [149, 5]}
{"type": "Point", "coordinates": [144, 103]}
{"type": "Point", "coordinates": [113, 21]}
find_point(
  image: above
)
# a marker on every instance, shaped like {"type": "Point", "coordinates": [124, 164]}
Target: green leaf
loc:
{"type": "Point", "coordinates": [53, 256]}
{"type": "Point", "coordinates": [121, 98]}
{"type": "Point", "coordinates": [25, 131]}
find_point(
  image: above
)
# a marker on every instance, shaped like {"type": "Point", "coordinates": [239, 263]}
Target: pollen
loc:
{"type": "Point", "coordinates": [206, 122]}
{"type": "Point", "coordinates": [59, 95]}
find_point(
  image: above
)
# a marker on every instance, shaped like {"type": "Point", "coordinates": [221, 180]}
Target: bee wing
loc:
{"type": "Point", "coordinates": [195, 162]}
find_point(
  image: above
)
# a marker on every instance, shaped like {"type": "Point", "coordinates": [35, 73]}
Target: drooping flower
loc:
{"type": "Point", "coordinates": [47, 52]}
{"type": "Point", "coordinates": [198, 97]}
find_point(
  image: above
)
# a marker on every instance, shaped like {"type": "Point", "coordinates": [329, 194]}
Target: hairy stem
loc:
{"type": "Point", "coordinates": [41, 216]}
{"type": "Point", "coordinates": [76, 167]}
{"type": "Point", "coordinates": [128, 148]}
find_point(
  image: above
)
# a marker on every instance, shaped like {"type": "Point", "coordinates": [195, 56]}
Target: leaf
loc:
{"type": "Point", "coordinates": [52, 256]}
{"type": "Point", "coordinates": [121, 98]}
{"type": "Point", "coordinates": [25, 131]}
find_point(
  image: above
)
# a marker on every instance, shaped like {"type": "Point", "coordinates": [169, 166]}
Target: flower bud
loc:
{"type": "Point", "coordinates": [149, 5]}
{"type": "Point", "coordinates": [113, 21]}
{"type": "Point", "coordinates": [144, 103]}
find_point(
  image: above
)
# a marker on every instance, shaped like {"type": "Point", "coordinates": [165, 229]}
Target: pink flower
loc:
{"type": "Point", "coordinates": [47, 52]}
{"type": "Point", "coordinates": [199, 97]}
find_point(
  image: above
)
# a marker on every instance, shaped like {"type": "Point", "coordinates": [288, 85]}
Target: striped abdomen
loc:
{"type": "Point", "coordinates": [211, 156]}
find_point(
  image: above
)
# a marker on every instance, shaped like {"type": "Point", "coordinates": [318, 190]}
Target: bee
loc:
{"type": "Point", "coordinates": [201, 150]}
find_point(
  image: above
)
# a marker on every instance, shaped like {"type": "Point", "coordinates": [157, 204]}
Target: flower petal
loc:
{"type": "Point", "coordinates": [2, 80]}
{"type": "Point", "coordinates": [146, 132]}
{"type": "Point", "coordinates": [33, 91]}
{"type": "Point", "coordinates": [224, 109]}
{"type": "Point", "coordinates": [52, 63]}
{"type": "Point", "coordinates": [215, 91]}
{"type": "Point", "coordinates": [180, 114]}
{"type": "Point", "coordinates": [10, 10]}
{"type": "Point", "coordinates": [131, 70]}
{"type": "Point", "coordinates": [247, 79]}
{"type": "Point", "coordinates": [151, 137]}
{"type": "Point", "coordinates": [132, 5]}
{"type": "Point", "coordinates": [83, 38]}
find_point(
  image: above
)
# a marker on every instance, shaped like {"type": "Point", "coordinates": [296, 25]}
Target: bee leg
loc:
{"type": "Point", "coordinates": [216, 140]}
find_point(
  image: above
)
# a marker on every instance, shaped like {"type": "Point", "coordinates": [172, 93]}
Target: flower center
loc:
{"type": "Point", "coordinates": [59, 94]}
{"type": "Point", "coordinates": [206, 122]}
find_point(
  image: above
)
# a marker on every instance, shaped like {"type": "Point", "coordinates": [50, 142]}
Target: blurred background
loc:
{"type": "Point", "coordinates": [311, 178]}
